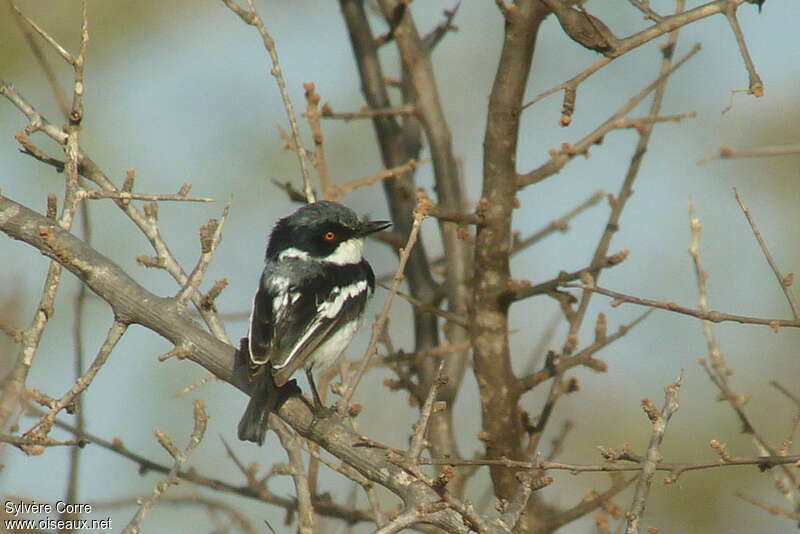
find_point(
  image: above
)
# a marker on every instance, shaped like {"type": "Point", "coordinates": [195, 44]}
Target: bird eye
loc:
{"type": "Point", "coordinates": [329, 236]}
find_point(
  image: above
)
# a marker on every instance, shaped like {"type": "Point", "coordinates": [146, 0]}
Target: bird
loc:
{"type": "Point", "coordinates": [310, 299]}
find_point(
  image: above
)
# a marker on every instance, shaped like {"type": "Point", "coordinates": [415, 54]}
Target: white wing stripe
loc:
{"type": "Point", "coordinates": [332, 308]}
{"type": "Point", "coordinates": [329, 309]}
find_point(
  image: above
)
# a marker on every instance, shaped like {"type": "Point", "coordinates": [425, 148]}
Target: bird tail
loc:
{"type": "Point", "coordinates": [253, 425]}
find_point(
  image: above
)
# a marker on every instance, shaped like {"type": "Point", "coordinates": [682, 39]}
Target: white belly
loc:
{"type": "Point", "coordinates": [329, 352]}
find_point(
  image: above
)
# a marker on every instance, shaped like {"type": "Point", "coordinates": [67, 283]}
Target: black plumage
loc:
{"type": "Point", "coordinates": [311, 295]}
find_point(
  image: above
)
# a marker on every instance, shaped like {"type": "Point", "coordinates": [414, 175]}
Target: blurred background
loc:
{"type": "Point", "coordinates": [180, 91]}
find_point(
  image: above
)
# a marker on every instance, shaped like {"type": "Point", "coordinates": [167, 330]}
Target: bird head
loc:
{"type": "Point", "coordinates": [322, 231]}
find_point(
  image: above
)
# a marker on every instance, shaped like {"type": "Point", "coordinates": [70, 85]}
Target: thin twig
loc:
{"type": "Point", "coordinates": [559, 158]}
{"type": "Point", "coordinates": [28, 444]}
{"type": "Point", "coordinates": [528, 484]}
{"type": "Point", "coordinates": [372, 348]}
{"type": "Point", "coordinates": [713, 316]}
{"type": "Point", "coordinates": [644, 7]}
{"type": "Point", "coordinates": [15, 380]}
{"type": "Point", "coordinates": [352, 185]}
{"type": "Point", "coordinates": [763, 462]}
{"type": "Point", "coordinates": [125, 195]}
{"type": "Point", "coordinates": [638, 122]}
{"type": "Point", "coordinates": [782, 281]}
{"type": "Point", "coordinates": [262, 494]}
{"type": "Point", "coordinates": [727, 152]}
{"type": "Point", "coordinates": [665, 25]}
{"type": "Point", "coordinates": [200, 424]}
{"type": "Point", "coordinates": [793, 397]}
{"type": "Point", "coordinates": [428, 308]}
{"type": "Point", "coordinates": [210, 237]}
{"type": "Point", "coordinates": [652, 457]}
{"type": "Point", "coordinates": [292, 444]}
{"type": "Point", "coordinates": [583, 357]}
{"type": "Point", "coordinates": [313, 116]}
{"type": "Point", "coordinates": [44, 63]}
{"type": "Point", "coordinates": [367, 113]}
{"type": "Point", "coordinates": [68, 57]}
{"type": "Point", "coordinates": [557, 225]}
{"type": "Point", "coordinates": [237, 517]}
{"type": "Point", "coordinates": [420, 428]}
{"type": "Point", "coordinates": [251, 17]}
{"type": "Point", "coordinates": [774, 510]}
{"type": "Point", "coordinates": [146, 222]}
{"type": "Point", "coordinates": [701, 277]}
{"type": "Point", "coordinates": [43, 426]}
{"type": "Point", "coordinates": [526, 290]}
{"type": "Point", "coordinates": [756, 85]}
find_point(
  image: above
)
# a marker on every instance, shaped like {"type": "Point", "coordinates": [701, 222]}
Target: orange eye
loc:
{"type": "Point", "coordinates": [329, 236]}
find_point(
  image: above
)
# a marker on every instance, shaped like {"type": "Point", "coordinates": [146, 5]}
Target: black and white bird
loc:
{"type": "Point", "coordinates": [311, 296]}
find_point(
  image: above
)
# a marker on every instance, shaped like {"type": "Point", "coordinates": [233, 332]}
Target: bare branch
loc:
{"type": "Point", "coordinates": [418, 438]}
{"type": "Point", "coordinates": [644, 7]}
{"type": "Point", "coordinates": [652, 457]}
{"type": "Point", "coordinates": [367, 113]}
{"type": "Point", "coordinates": [200, 423]}
{"type": "Point", "coordinates": [124, 195]}
{"type": "Point", "coordinates": [147, 222]}
{"type": "Point", "coordinates": [713, 316]}
{"type": "Point", "coordinates": [584, 357]}
{"type": "Point", "coordinates": [211, 505]}
{"type": "Point", "coordinates": [293, 446]}
{"type": "Point", "coordinates": [559, 158]}
{"type": "Point", "coordinates": [774, 510]}
{"type": "Point", "coordinates": [42, 427]}
{"type": "Point", "coordinates": [313, 116]}
{"type": "Point", "coordinates": [68, 57]}
{"type": "Point", "coordinates": [558, 225]}
{"type": "Point", "coordinates": [251, 17]}
{"type": "Point", "coordinates": [210, 237]}
{"type": "Point", "coordinates": [762, 462]}
{"type": "Point", "coordinates": [727, 152]}
{"type": "Point", "coordinates": [347, 187]}
{"type": "Point", "coordinates": [35, 444]}
{"type": "Point", "coordinates": [782, 281]}
{"type": "Point", "coordinates": [666, 25]}
{"type": "Point", "coordinates": [446, 315]}
{"type": "Point", "coordinates": [756, 85]}
{"type": "Point", "coordinates": [372, 347]}
{"type": "Point", "coordinates": [793, 397]}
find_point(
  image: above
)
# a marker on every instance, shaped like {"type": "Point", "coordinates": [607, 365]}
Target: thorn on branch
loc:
{"type": "Point", "coordinates": [52, 207]}
{"type": "Point", "coordinates": [149, 261]}
{"type": "Point", "coordinates": [435, 36]}
{"type": "Point", "coordinates": [568, 107]}
{"type": "Point", "coordinates": [207, 302]}
{"type": "Point", "coordinates": [32, 150]}
{"type": "Point", "coordinates": [756, 87]}
{"type": "Point", "coordinates": [127, 184]}
{"type": "Point", "coordinates": [151, 211]}
{"type": "Point", "coordinates": [294, 194]}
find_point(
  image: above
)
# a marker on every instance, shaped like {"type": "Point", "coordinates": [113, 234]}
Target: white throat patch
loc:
{"type": "Point", "coordinates": [348, 252]}
{"type": "Point", "coordinates": [293, 253]}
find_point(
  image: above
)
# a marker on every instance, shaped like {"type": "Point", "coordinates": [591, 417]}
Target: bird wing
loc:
{"type": "Point", "coordinates": [261, 325]}
{"type": "Point", "coordinates": [290, 320]}
{"type": "Point", "coordinates": [331, 310]}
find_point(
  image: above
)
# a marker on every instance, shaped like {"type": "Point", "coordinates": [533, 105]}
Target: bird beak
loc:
{"type": "Point", "coordinates": [373, 226]}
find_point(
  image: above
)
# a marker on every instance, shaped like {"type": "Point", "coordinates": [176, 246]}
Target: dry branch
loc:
{"type": "Point", "coordinates": [652, 457]}
{"type": "Point", "coordinates": [251, 17]}
{"type": "Point", "coordinates": [180, 456]}
{"type": "Point", "coordinates": [711, 315]}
